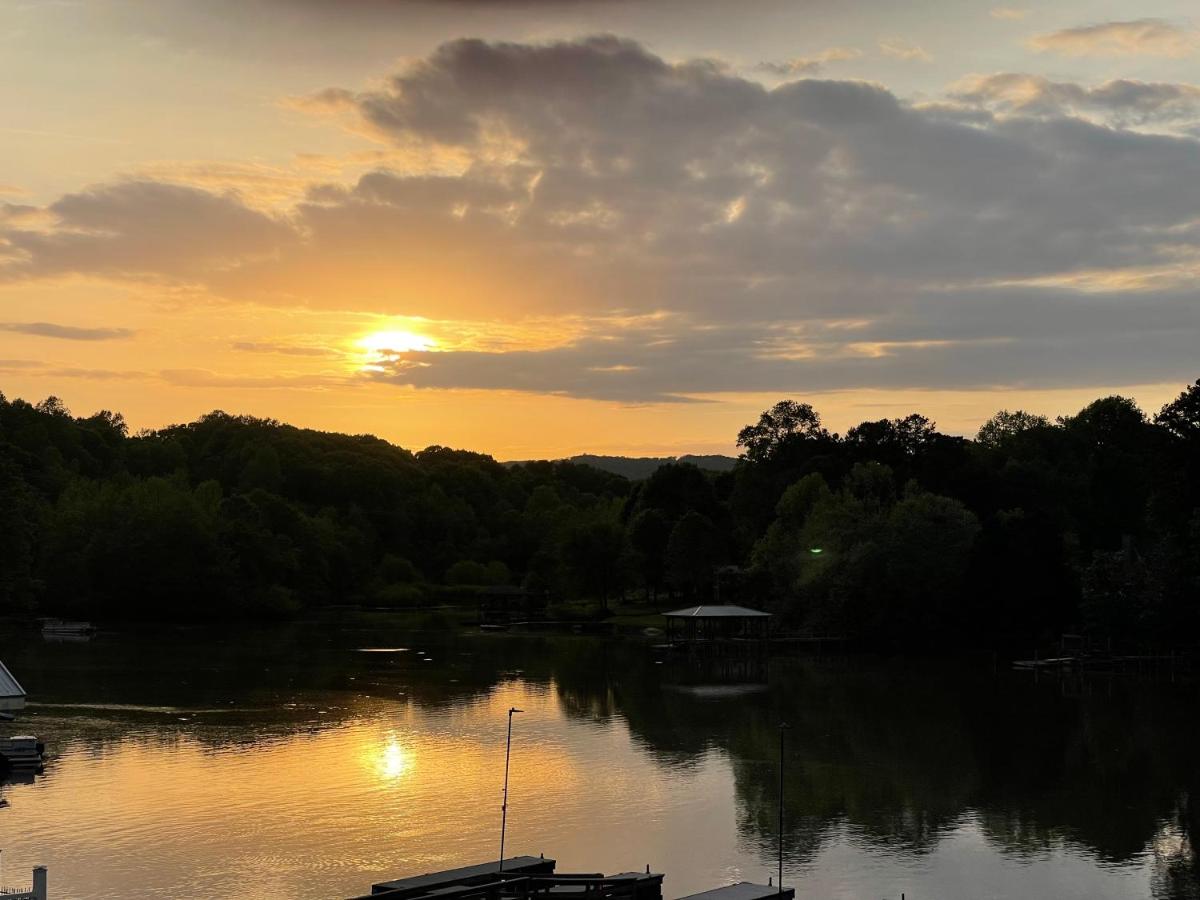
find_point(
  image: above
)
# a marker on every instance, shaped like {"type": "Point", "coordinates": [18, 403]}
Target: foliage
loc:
{"type": "Point", "coordinates": [784, 423]}
{"type": "Point", "coordinates": [895, 532]}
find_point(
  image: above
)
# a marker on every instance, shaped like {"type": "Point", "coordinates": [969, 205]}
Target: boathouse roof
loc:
{"type": "Point", "coordinates": [716, 612]}
{"type": "Point", "coordinates": [9, 686]}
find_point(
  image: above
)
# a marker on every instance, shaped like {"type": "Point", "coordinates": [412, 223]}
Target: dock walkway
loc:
{"type": "Point", "coordinates": [534, 878]}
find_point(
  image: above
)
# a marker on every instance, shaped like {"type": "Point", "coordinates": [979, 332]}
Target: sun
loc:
{"type": "Point", "coordinates": [379, 348]}
{"type": "Point", "coordinates": [384, 342]}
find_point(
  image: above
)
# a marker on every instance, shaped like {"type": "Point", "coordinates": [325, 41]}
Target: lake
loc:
{"type": "Point", "coordinates": [310, 760]}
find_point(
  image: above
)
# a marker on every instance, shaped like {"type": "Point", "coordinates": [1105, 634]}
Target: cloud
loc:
{"type": "Point", "coordinates": [709, 232]}
{"type": "Point", "coordinates": [1121, 101]}
{"type": "Point", "coordinates": [284, 349]}
{"type": "Point", "coordinates": [801, 66]}
{"type": "Point", "coordinates": [898, 48]}
{"type": "Point", "coordinates": [204, 378]}
{"type": "Point", "coordinates": [1008, 13]}
{"type": "Point", "coordinates": [18, 365]}
{"type": "Point", "coordinates": [67, 332]}
{"type": "Point", "coordinates": [145, 228]}
{"type": "Point", "coordinates": [1015, 342]}
{"type": "Point", "coordinates": [1147, 37]}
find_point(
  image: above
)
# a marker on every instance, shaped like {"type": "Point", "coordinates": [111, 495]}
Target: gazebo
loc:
{"type": "Point", "coordinates": [717, 623]}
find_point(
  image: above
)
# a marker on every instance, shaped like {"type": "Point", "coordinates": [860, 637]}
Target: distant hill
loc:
{"type": "Point", "coordinates": [636, 468]}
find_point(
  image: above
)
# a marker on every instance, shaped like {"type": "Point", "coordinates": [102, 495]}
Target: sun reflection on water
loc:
{"type": "Point", "coordinates": [393, 760]}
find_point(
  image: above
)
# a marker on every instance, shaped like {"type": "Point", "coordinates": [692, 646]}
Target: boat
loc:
{"type": "Point", "coordinates": [63, 627]}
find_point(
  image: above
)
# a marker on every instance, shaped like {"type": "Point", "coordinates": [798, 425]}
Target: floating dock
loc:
{"type": "Point", "coordinates": [532, 877]}
{"type": "Point", "coordinates": [21, 753]}
{"type": "Point", "coordinates": [743, 890]}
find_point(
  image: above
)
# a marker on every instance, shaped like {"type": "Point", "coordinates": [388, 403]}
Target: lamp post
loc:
{"type": "Point", "coordinates": [782, 730]}
{"type": "Point", "coordinates": [504, 805]}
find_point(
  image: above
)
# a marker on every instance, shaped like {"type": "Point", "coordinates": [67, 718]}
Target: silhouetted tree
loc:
{"type": "Point", "coordinates": [786, 421]}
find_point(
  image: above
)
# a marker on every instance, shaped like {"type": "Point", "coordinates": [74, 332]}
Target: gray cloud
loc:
{"type": "Point", "coordinates": [1122, 102]}
{"type": "Point", "coordinates": [636, 370]}
{"type": "Point", "coordinates": [67, 332]}
{"type": "Point", "coordinates": [144, 227]}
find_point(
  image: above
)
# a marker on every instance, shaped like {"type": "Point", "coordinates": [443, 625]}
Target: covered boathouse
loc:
{"type": "Point", "coordinates": [717, 623]}
{"type": "Point", "coordinates": [12, 695]}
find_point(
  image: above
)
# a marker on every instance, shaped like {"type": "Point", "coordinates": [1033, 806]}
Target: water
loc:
{"type": "Point", "coordinates": [312, 760]}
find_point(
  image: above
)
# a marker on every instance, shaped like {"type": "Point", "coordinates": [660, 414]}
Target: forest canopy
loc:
{"type": "Point", "coordinates": [893, 531]}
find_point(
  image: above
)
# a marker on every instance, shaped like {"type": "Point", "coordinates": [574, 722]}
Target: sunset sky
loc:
{"type": "Point", "coordinates": [556, 226]}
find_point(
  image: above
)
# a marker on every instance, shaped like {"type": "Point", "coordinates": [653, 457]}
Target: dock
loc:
{"type": "Point", "coordinates": [430, 882]}
{"type": "Point", "coordinates": [21, 753]}
{"type": "Point", "coordinates": [531, 877]}
{"type": "Point", "coordinates": [743, 890]}
{"type": "Point", "coordinates": [38, 890]}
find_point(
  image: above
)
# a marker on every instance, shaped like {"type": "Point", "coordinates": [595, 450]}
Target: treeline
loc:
{"type": "Point", "coordinates": [892, 532]}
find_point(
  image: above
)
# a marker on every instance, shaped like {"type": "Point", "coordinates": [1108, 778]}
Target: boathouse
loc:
{"type": "Point", "coordinates": [717, 623]}
{"type": "Point", "coordinates": [12, 695]}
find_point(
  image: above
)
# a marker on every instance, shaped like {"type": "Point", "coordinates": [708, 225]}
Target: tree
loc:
{"type": "Point", "coordinates": [1113, 421]}
{"type": "Point", "coordinates": [649, 535]}
{"type": "Point", "coordinates": [1004, 426]}
{"type": "Point", "coordinates": [930, 539]}
{"type": "Point", "coordinates": [693, 551]}
{"type": "Point", "coordinates": [781, 551]}
{"type": "Point", "coordinates": [1181, 416]}
{"type": "Point", "coordinates": [783, 423]}
{"type": "Point", "coordinates": [898, 437]}
{"type": "Point", "coordinates": [592, 551]}
{"type": "Point", "coordinates": [18, 510]}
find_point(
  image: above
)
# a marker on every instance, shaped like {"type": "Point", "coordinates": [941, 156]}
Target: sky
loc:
{"type": "Point", "coordinates": [543, 227]}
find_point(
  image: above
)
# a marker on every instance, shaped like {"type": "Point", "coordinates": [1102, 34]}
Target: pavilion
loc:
{"type": "Point", "coordinates": [717, 623]}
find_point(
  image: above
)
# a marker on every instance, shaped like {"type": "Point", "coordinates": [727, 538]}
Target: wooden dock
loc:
{"type": "Point", "coordinates": [534, 878]}
{"type": "Point", "coordinates": [743, 890]}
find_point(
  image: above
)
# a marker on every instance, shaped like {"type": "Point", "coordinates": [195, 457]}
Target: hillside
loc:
{"type": "Point", "coordinates": [638, 468]}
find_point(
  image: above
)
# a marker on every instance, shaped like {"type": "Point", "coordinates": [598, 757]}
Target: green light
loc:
{"type": "Point", "coordinates": [816, 550]}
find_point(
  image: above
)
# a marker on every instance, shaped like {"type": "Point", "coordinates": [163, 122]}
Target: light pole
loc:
{"type": "Point", "coordinates": [782, 729]}
{"type": "Point", "coordinates": [504, 806]}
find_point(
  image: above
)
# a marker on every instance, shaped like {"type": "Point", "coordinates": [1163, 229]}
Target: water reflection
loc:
{"type": "Point", "coordinates": [392, 760]}
{"type": "Point", "coordinates": [290, 764]}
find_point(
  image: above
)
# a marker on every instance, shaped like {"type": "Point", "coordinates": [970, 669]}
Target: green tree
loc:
{"type": "Point", "coordinates": [785, 422]}
{"type": "Point", "coordinates": [592, 553]}
{"type": "Point", "coordinates": [649, 535]}
{"type": "Point", "coordinates": [1181, 417]}
{"type": "Point", "coordinates": [1001, 428]}
{"type": "Point", "coordinates": [693, 552]}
